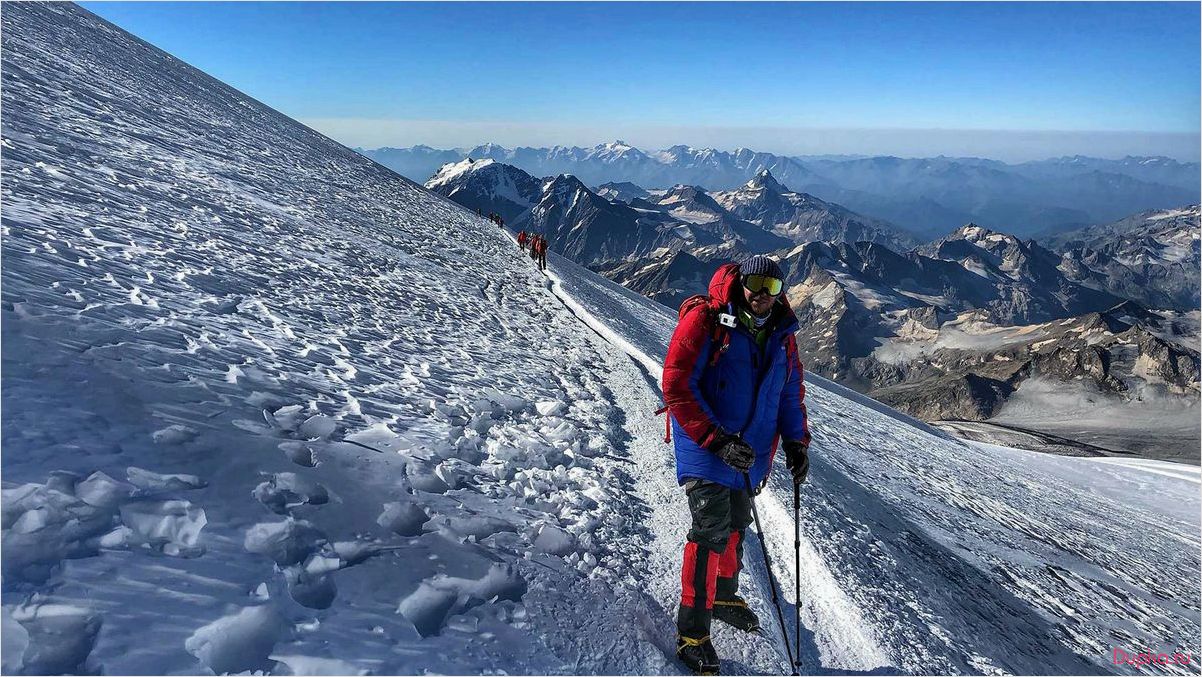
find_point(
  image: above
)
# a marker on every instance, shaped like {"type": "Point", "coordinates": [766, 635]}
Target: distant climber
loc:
{"type": "Point", "coordinates": [733, 388]}
{"type": "Point", "coordinates": [542, 253]}
{"type": "Point", "coordinates": [534, 247]}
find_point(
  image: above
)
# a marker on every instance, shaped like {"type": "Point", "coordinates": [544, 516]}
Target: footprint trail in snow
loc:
{"type": "Point", "coordinates": [269, 406]}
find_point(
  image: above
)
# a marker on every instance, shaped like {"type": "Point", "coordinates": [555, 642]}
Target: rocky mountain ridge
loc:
{"type": "Point", "coordinates": [591, 228]}
{"type": "Point", "coordinates": [1151, 257]}
{"type": "Point", "coordinates": [926, 196]}
{"type": "Point", "coordinates": [953, 329]}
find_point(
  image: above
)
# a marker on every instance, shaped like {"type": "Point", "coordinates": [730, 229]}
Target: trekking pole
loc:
{"type": "Point", "coordinates": [797, 574]}
{"type": "Point", "coordinates": [780, 615]}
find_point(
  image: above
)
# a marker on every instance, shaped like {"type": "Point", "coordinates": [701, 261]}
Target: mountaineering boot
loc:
{"type": "Point", "coordinates": [698, 655]}
{"type": "Point", "coordinates": [736, 613]}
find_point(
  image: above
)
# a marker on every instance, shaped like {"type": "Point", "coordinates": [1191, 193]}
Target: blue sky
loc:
{"type": "Point", "coordinates": [996, 79]}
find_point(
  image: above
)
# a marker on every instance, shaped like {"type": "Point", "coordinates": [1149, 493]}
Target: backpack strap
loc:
{"type": "Point", "coordinates": [667, 423]}
{"type": "Point", "coordinates": [719, 333]}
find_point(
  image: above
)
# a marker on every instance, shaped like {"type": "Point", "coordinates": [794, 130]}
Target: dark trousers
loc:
{"type": "Point", "coordinates": [713, 555]}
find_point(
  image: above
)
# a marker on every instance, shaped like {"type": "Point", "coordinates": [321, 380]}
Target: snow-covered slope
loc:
{"type": "Point", "coordinates": [267, 405]}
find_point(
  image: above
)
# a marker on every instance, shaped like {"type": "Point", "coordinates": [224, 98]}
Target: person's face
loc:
{"type": "Point", "coordinates": [760, 302]}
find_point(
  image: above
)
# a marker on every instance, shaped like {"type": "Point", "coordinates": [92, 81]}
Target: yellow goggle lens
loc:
{"type": "Point", "coordinates": [763, 283]}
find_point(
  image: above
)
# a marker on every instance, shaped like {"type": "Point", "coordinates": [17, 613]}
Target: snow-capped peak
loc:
{"type": "Point", "coordinates": [614, 151]}
{"type": "Point", "coordinates": [978, 234]}
{"type": "Point", "coordinates": [452, 171]}
{"type": "Point", "coordinates": [490, 149]}
{"type": "Point", "coordinates": [971, 231]}
{"type": "Point", "coordinates": [563, 187]}
{"type": "Point", "coordinates": [765, 179]}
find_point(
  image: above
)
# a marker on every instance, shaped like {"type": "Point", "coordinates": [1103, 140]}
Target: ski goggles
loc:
{"type": "Point", "coordinates": [763, 283]}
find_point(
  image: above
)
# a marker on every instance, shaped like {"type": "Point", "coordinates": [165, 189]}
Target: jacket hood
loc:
{"type": "Point", "coordinates": [722, 284]}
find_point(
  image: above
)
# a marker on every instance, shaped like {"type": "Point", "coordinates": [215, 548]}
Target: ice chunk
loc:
{"type": "Point", "coordinates": [15, 501]}
{"type": "Point", "coordinates": [351, 553]}
{"type": "Point", "coordinates": [478, 526]}
{"type": "Point", "coordinates": [507, 403]}
{"type": "Point", "coordinates": [311, 665]}
{"type": "Point", "coordinates": [103, 491]}
{"type": "Point", "coordinates": [424, 478]}
{"type": "Point", "coordinates": [299, 453]}
{"type": "Point", "coordinates": [378, 435]}
{"type": "Point", "coordinates": [437, 598]}
{"type": "Point", "coordinates": [317, 427]}
{"type": "Point", "coordinates": [15, 640]}
{"type": "Point", "coordinates": [239, 642]}
{"type": "Point", "coordinates": [287, 542]}
{"type": "Point", "coordinates": [405, 519]}
{"type": "Point", "coordinates": [286, 490]}
{"type": "Point", "coordinates": [427, 608]}
{"type": "Point", "coordinates": [156, 482]}
{"type": "Point", "coordinates": [453, 472]}
{"type": "Point", "coordinates": [60, 637]}
{"type": "Point", "coordinates": [501, 582]}
{"type": "Point", "coordinates": [553, 540]}
{"type": "Point", "coordinates": [174, 434]}
{"type": "Point", "coordinates": [288, 417]}
{"type": "Point", "coordinates": [314, 590]}
{"type": "Point", "coordinates": [117, 538]}
{"type": "Point", "coordinates": [551, 408]}
{"type": "Point", "coordinates": [31, 521]}
{"type": "Point", "coordinates": [174, 526]}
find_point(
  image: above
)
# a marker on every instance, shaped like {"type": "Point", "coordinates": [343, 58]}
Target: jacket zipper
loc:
{"type": "Point", "coordinates": [760, 373]}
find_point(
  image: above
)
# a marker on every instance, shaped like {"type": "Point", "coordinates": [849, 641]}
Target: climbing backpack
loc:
{"type": "Point", "coordinates": [719, 323]}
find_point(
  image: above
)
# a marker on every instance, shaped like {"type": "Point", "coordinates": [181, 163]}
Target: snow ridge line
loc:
{"type": "Point", "coordinates": [653, 367]}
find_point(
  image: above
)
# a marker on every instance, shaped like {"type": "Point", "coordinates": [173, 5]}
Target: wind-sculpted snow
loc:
{"type": "Point", "coordinates": [928, 555]}
{"type": "Point", "coordinates": [269, 406]}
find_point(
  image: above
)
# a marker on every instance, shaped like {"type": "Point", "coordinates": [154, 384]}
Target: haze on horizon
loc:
{"type": "Point", "coordinates": [1003, 145]}
{"type": "Point", "coordinates": [1008, 81]}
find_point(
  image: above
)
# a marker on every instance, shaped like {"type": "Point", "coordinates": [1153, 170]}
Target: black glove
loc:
{"type": "Point", "coordinates": [734, 452]}
{"type": "Point", "coordinates": [797, 460]}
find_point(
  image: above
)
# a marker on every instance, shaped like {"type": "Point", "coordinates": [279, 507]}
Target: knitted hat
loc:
{"type": "Point", "coordinates": [761, 265]}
